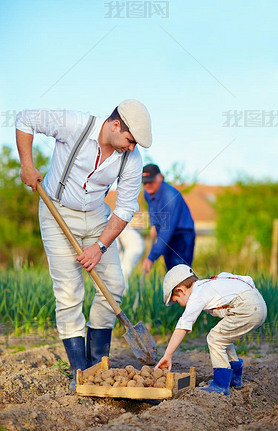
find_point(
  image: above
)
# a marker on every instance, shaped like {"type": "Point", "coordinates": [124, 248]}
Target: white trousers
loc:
{"type": "Point", "coordinates": [66, 272]}
{"type": "Point", "coordinates": [131, 247]}
{"type": "Point", "coordinates": [245, 313]}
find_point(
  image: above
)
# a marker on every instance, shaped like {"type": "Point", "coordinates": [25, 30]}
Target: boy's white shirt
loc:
{"type": "Point", "coordinates": [209, 294]}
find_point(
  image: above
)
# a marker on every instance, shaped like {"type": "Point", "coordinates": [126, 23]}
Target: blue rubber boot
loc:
{"type": "Point", "coordinates": [98, 345]}
{"type": "Point", "coordinates": [237, 367]}
{"type": "Point", "coordinates": [75, 348]}
{"type": "Point", "coordinates": [221, 381]}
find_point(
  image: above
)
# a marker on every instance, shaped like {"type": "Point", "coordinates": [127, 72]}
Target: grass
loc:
{"type": "Point", "coordinates": [27, 305]}
{"type": "Point", "coordinates": [63, 367]}
{"type": "Point", "coordinates": [16, 349]}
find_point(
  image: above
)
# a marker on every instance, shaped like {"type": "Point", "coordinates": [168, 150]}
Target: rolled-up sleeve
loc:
{"type": "Point", "coordinates": [129, 186]}
{"type": "Point", "coordinates": [55, 123]}
{"type": "Point", "coordinates": [193, 310]}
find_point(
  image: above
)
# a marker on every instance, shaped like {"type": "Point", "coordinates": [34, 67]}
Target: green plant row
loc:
{"type": "Point", "coordinates": [27, 304]}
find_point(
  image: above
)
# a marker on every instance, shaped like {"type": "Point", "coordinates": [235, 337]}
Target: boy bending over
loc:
{"type": "Point", "coordinates": [234, 298]}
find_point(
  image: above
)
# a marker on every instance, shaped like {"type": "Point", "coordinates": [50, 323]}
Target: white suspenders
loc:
{"type": "Point", "coordinates": [74, 152]}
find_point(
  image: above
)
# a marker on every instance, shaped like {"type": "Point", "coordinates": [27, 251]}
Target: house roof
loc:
{"type": "Point", "coordinates": [199, 199]}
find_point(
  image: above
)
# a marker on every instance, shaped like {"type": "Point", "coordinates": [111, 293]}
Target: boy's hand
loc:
{"type": "Point", "coordinates": [176, 339]}
{"type": "Point", "coordinates": [165, 362]}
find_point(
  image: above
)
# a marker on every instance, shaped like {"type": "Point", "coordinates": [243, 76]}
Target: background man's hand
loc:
{"type": "Point", "coordinates": [90, 257]}
{"type": "Point", "coordinates": [147, 265]}
{"type": "Point", "coordinates": [30, 176]}
{"type": "Point", "coordinates": [153, 232]}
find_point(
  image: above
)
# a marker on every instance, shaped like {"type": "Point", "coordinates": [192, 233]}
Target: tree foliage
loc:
{"type": "Point", "coordinates": [245, 213]}
{"type": "Point", "coordinates": [20, 236]}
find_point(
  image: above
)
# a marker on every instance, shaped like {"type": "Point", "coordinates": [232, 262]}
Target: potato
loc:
{"type": "Point", "coordinates": [123, 373]}
{"type": "Point", "coordinates": [131, 374]}
{"type": "Point", "coordinates": [129, 377]}
{"type": "Point", "coordinates": [157, 373]}
{"type": "Point", "coordinates": [161, 380]}
{"type": "Point", "coordinates": [123, 383]}
{"type": "Point", "coordinates": [110, 381]}
{"type": "Point", "coordinates": [106, 374]}
{"type": "Point", "coordinates": [138, 378]}
{"type": "Point", "coordinates": [118, 378]}
{"type": "Point", "coordinates": [146, 368]}
{"type": "Point", "coordinates": [145, 373]}
{"type": "Point", "coordinates": [148, 382]}
{"type": "Point", "coordinates": [131, 384]}
{"type": "Point", "coordinates": [98, 373]}
{"type": "Point", "coordinates": [129, 369]}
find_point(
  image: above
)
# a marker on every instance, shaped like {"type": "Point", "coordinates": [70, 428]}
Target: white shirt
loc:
{"type": "Point", "coordinates": [212, 293]}
{"type": "Point", "coordinates": [66, 127]}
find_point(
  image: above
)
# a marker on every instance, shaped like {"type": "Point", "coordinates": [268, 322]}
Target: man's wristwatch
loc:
{"type": "Point", "coordinates": [102, 247]}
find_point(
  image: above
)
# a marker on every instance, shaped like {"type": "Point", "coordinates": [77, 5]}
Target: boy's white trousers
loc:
{"type": "Point", "coordinates": [245, 313]}
{"type": "Point", "coordinates": [66, 272]}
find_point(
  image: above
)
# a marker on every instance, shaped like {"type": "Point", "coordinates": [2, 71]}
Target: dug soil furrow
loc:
{"type": "Point", "coordinates": [34, 395]}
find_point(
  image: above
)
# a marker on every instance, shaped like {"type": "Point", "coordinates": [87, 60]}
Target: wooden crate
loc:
{"type": "Point", "coordinates": [176, 383]}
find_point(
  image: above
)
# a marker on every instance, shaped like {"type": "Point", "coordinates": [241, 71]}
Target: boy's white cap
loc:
{"type": "Point", "coordinates": [137, 118]}
{"type": "Point", "coordinates": [173, 277]}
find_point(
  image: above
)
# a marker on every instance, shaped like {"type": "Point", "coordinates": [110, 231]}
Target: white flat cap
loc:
{"type": "Point", "coordinates": [173, 277]}
{"type": "Point", "coordinates": [137, 118]}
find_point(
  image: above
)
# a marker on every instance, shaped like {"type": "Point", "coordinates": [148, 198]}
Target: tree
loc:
{"type": "Point", "coordinates": [178, 177]}
{"type": "Point", "coordinates": [245, 214]}
{"type": "Point", "coordinates": [20, 235]}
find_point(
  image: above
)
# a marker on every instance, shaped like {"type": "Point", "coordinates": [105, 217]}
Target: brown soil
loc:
{"type": "Point", "coordinates": [34, 393]}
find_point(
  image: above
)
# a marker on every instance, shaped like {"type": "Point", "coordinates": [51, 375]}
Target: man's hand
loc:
{"type": "Point", "coordinates": [30, 176]}
{"type": "Point", "coordinates": [147, 265]}
{"type": "Point", "coordinates": [90, 257]}
{"type": "Point", "coordinates": [153, 233]}
{"type": "Point", "coordinates": [165, 362]}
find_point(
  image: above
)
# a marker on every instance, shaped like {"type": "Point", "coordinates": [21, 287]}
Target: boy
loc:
{"type": "Point", "coordinates": [232, 297]}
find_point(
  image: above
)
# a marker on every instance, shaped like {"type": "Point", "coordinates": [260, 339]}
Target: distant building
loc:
{"type": "Point", "coordinates": [200, 201]}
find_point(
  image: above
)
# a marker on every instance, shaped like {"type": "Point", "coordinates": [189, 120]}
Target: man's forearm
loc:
{"type": "Point", "coordinates": [24, 143]}
{"type": "Point", "coordinates": [29, 174]}
{"type": "Point", "coordinates": [113, 228]}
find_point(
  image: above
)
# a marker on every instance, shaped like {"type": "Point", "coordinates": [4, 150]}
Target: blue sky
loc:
{"type": "Point", "coordinates": [203, 60]}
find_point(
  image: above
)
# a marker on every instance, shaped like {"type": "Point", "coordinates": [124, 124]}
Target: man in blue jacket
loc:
{"type": "Point", "coordinates": [171, 222]}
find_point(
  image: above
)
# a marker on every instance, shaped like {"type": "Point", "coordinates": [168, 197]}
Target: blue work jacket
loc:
{"type": "Point", "coordinates": [170, 215]}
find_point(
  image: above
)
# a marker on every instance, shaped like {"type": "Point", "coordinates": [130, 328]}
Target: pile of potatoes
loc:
{"type": "Point", "coordinates": [128, 377]}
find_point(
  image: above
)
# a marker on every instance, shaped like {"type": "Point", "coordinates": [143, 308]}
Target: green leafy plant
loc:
{"type": "Point", "coordinates": [27, 304]}
{"type": "Point", "coordinates": [245, 214]}
{"type": "Point", "coordinates": [63, 368]}
{"type": "Point", "coordinates": [20, 239]}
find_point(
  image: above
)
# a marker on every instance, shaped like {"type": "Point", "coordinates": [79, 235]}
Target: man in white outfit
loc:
{"type": "Point", "coordinates": [90, 154]}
